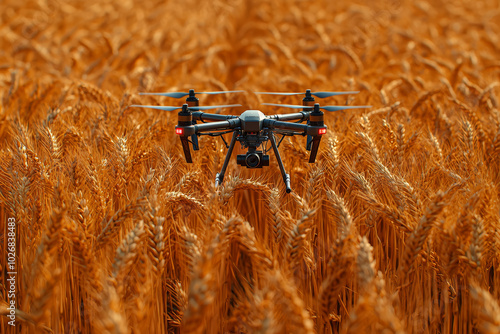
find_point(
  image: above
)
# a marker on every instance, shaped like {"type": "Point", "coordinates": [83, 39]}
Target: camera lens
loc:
{"type": "Point", "coordinates": [252, 160]}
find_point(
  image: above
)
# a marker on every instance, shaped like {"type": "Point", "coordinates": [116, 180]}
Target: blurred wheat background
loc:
{"type": "Point", "coordinates": [395, 228]}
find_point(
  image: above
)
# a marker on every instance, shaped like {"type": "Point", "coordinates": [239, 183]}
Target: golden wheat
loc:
{"type": "Point", "coordinates": [395, 228]}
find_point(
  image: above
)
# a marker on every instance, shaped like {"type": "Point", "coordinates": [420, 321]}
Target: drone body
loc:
{"type": "Point", "coordinates": [252, 128]}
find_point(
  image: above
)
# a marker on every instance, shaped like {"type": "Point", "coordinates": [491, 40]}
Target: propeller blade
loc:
{"type": "Point", "coordinates": [178, 95]}
{"type": "Point", "coordinates": [337, 108]}
{"type": "Point", "coordinates": [321, 95]}
{"type": "Point", "coordinates": [221, 92]}
{"type": "Point", "coordinates": [214, 107]}
{"type": "Point", "coordinates": [327, 108]}
{"type": "Point", "coordinates": [168, 108]}
{"type": "Point", "coordinates": [157, 107]}
{"type": "Point", "coordinates": [277, 93]}
{"type": "Point", "coordinates": [175, 95]}
{"type": "Point", "coordinates": [292, 106]}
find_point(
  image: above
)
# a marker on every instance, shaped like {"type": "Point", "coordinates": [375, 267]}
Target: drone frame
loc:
{"type": "Point", "coordinates": [250, 123]}
{"type": "Point", "coordinates": [187, 127]}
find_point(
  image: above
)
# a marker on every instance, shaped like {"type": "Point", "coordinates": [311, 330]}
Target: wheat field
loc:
{"type": "Point", "coordinates": [394, 229]}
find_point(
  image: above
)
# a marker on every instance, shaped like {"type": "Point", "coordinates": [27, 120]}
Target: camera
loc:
{"type": "Point", "coordinates": [253, 159]}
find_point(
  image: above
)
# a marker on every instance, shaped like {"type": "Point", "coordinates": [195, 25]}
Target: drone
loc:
{"type": "Point", "coordinates": [253, 129]}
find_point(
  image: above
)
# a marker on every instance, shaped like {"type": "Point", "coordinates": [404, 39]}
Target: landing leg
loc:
{"type": "Point", "coordinates": [286, 177]}
{"type": "Point", "coordinates": [314, 149]}
{"type": "Point", "coordinates": [194, 140]}
{"type": "Point", "coordinates": [220, 176]}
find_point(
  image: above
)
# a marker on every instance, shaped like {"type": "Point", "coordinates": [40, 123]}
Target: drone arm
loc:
{"type": "Point", "coordinates": [224, 125]}
{"type": "Point", "coordinates": [202, 116]}
{"type": "Point", "coordinates": [272, 124]}
{"type": "Point", "coordinates": [311, 130]}
{"type": "Point", "coordinates": [300, 116]}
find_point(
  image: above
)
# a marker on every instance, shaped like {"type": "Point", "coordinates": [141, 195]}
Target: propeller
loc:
{"type": "Point", "coordinates": [321, 95]}
{"type": "Point", "coordinates": [168, 108]}
{"type": "Point", "coordinates": [327, 108]}
{"type": "Point", "coordinates": [178, 95]}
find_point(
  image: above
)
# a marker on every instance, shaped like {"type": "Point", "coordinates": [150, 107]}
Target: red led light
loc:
{"type": "Point", "coordinates": [322, 131]}
{"type": "Point", "coordinates": [179, 131]}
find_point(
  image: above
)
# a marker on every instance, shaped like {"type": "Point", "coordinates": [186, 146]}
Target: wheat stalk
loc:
{"type": "Point", "coordinates": [416, 241]}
